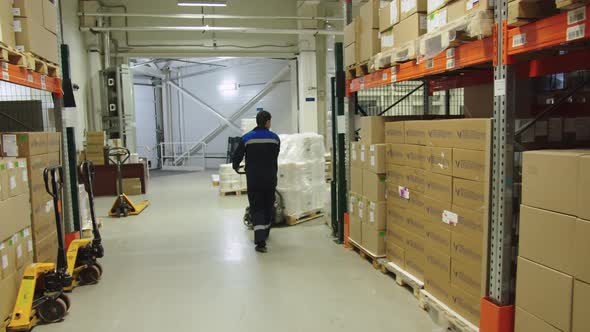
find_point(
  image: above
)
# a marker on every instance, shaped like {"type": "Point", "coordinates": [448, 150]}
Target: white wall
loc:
{"type": "Point", "coordinates": [145, 115]}
{"type": "Point", "coordinates": [251, 75]}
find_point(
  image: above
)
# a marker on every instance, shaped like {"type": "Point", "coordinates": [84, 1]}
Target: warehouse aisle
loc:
{"type": "Point", "coordinates": [188, 264]}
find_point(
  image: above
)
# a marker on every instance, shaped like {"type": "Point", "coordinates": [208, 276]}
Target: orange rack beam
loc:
{"type": "Point", "coordinates": [469, 54]}
{"type": "Point", "coordinates": [22, 76]}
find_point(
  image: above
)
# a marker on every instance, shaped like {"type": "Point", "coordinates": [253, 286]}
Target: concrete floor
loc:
{"type": "Point", "coordinates": [188, 264]}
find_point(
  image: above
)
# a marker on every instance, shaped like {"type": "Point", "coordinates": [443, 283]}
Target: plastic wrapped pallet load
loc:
{"type": "Point", "coordinates": [229, 180]}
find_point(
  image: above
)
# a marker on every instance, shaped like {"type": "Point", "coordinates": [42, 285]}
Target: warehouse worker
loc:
{"type": "Point", "coordinates": [261, 147]}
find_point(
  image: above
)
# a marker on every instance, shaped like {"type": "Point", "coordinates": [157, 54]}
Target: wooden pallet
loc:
{"type": "Point", "coordinates": [41, 66]}
{"type": "Point", "coordinates": [4, 324]}
{"type": "Point", "coordinates": [233, 193]}
{"type": "Point", "coordinates": [351, 72]}
{"type": "Point", "coordinates": [366, 254]}
{"type": "Point", "coordinates": [12, 56]}
{"type": "Point", "coordinates": [301, 218]}
{"type": "Point", "coordinates": [362, 69]}
{"type": "Point", "coordinates": [446, 316]}
{"type": "Point", "coordinates": [402, 277]}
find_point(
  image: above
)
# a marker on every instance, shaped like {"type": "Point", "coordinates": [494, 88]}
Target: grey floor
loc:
{"type": "Point", "coordinates": [188, 264]}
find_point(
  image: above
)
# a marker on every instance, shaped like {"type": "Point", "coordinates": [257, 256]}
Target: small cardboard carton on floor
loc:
{"type": "Point", "coordinates": [132, 186]}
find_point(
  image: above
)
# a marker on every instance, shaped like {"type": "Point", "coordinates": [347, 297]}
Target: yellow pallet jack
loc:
{"type": "Point", "coordinates": [83, 253]}
{"type": "Point", "coordinates": [41, 297]}
{"type": "Point", "coordinates": [123, 205]}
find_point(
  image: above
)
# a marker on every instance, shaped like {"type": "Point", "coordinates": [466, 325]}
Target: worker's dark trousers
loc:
{"type": "Point", "coordinates": [261, 210]}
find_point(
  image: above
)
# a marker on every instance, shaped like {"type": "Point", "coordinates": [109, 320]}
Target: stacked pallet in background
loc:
{"type": "Point", "coordinates": [553, 275]}
{"type": "Point", "coordinates": [361, 39]}
{"type": "Point", "coordinates": [6, 24]}
{"type": "Point", "coordinates": [521, 12]}
{"type": "Point", "coordinates": [35, 27]}
{"type": "Point", "coordinates": [231, 182]}
{"type": "Point", "coordinates": [39, 150]}
{"type": "Point", "coordinates": [95, 143]}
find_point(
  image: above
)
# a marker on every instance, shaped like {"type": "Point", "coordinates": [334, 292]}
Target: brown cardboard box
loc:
{"type": "Point", "coordinates": [24, 144]}
{"type": "Point", "coordinates": [433, 210]}
{"type": "Point", "coordinates": [434, 5]}
{"type": "Point", "coordinates": [395, 132]}
{"type": "Point", "coordinates": [465, 304]}
{"type": "Point", "coordinates": [43, 221]}
{"type": "Point", "coordinates": [355, 229]}
{"type": "Point", "coordinates": [28, 8]}
{"type": "Point", "coordinates": [416, 202]}
{"type": "Point", "coordinates": [373, 186]}
{"type": "Point", "coordinates": [437, 279]}
{"type": "Point", "coordinates": [351, 55]}
{"type": "Point", "coordinates": [440, 133]}
{"type": "Point", "coordinates": [132, 186]}
{"type": "Point", "coordinates": [409, 29]}
{"type": "Point", "coordinates": [440, 160]}
{"type": "Point", "coordinates": [467, 276]}
{"type": "Point", "coordinates": [440, 289]}
{"type": "Point", "coordinates": [369, 14]}
{"type": "Point", "coordinates": [470, 165]}
{"type": "Point", "coordinates": [467, 249]}
{"type": "Point", "coordinates": [478, 101]}
{"type": "Point", "coordinates": [377, 214]}
{"type": "Point", "coordinates": [439, 187]}
{"type": "Point", "coordinates": [415, 179]}
{"type": "Point", "coordinates": [46, 249]}
{"type": "Point", "coordinates": [394, 215]}
{"type": "Point", "coordinates": [14, 186]}
{"type": "Point", "coordinates": [581, 250]}
{"type": "Point", "coordinates": [36, 165]}
{"type": "Point", "coordinates": [373, 129]}
{"type": "Point", "coordinates": [376, 158]}
{"type": "Point", "coordinates": [395, 254]}
{"type": "Point", "coordinates": [350, 33]}
{"type": "Point", "coordinates": [389, 15]}
{"type": "Point", "coordinates": [31, 36]}
{"type": "Point", "coordinates": [415, 132]}
{"type": "Point", "coordinates": [522, 12]}
{"type": "Point", "coordinates": [24, 248]}
{"type": "Point", "coordinates": [53, 142]}
{"type": "Point", "coordinates": [3, 180]}
{"type": "Point", "coordinates": [396, 175]}
{"type": "Point", "coordinates": [469, 194]}
{"type": "Point", "coordinates": [361, 211]}
{"type": "Point", "coordinates": [415, 263]}
{"type": "Point", "coordinates": [9, 293]}
{"type": "Point", "coordinates": [364, 155]}
{"type": "Point", "coordinates": [472, 134]}
{"type": "Point", "coordinates": [373, 239]}
{"type": "Point", "coordinates": [415, 242]}
{"type": "Point", "coordinates": [50, 15]}
{"type": "Point", "coordinates": [355, 154]}
{"type": "Point", "coordinates": [581, 309]}
{"type": "Point", "coordinates": [570, 4]}
{"type": "Point", "coordinates": [415, 156]}
{"type": "Point", "coordinates": [53, 159]}
{"type": "Point", "coordinates": [369, 45]}
{"type": "Point", "coordinates": [16, 215]}
{"type": "Point", "coordinates": [7, 258]}
{"type": "Point", "coordinates": [584, 188]}
{"type": "Point", "coordinates": [6, 27]}
{"type": "Point", "coordinates": [550, 180]}
{"type": "Point", "coordinates": [356, 180]}
{"type": "Point", "coordinates": [387, 40]}
{"type": "Point", "coordinates": [475, 5]}
{"type": "Point", "coordinates": [398, 235]}
{"type": "Point", "coordinates": [547, 238]}
{"type": "Point", "coordinates": [545, 293]}
{"type": "Point", "coordinates": [396, 154]}
{"type": "Point", "coordinates": [470, 222]}
{"type": "Point", "coordinates": [415, 223]}
{"type": "Point", "coordinates": [439, 236]}
{"type": "Point", "coordinates": [410, 7]}
{"type": "Point", "coordinates": [525, 322]}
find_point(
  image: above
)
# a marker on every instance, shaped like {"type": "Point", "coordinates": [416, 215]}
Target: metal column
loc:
{"type": "Point", "coordinates": [502, 220]}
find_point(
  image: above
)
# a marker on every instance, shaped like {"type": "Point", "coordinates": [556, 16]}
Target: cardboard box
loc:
{"type": "Point", "coordinates": [545, 293]}
{"type": "Point", "coordinates": [7, 258]}
{"type": "Point", "coordinates": [369, 45]}
{"type": "Point", "coordinates": [525, 322]}
{"type": "Point", "coordinates": [373, 186]}
{"type": "Point", "coordinates": [351, 32]}
{"type": "Point", "coordinates": [373, 239]}
{"type": "Point", "coordinates": [355, 154]}
{"type": "Point", "coordinates": [570, 4]}
{"type": "Point", "coordinates": [24, 144]}
{"type": "Point", "coordinates": [433, 5]}
{"type": "Point", "coordinates": [547, 238]}
{"type": "Point", "coordinates": [389, 15]}
{"type": "Point", "coordinates": [355, 229]}
{"type": "Point", "coordinates": [440, 160]}
{"type": "Point", "coordinates": [440, 133]}
{"type": "Point", "coordinates": [470, 165]}
{"type": "Point", "coordinates": [475, 5]}
{"type": "Point", "coordinates": [410, 28]}
{"type": "Point", "coordinates": [415, 179]}
{"type": "Point", "coordinates": [415, 242]}
{"type": "Point", "coordinates": [398, 235]}
{"type": "Point", "coordinates": [373, 129]}
{"type": "Point", "coordinates": [416, 202]}
{"type": "Point", "coordinates": [584, 188]}
{"type": "Point", "coordinates": [467, 249]}
{"type": "Point", "coordinates": [447, 14]}
{"type": "Point", "coordinates": [467, 276]}
{"type": "Point", "coordinates": [469, 194]}
{"type": "Point", "coordinates": [439, 236]}
{"type": "Point", "coordinates": [28, 8]}
{"type": "Point", "coordinates": [437, 279]}
{"type": "Point", "coordinates": [415, 132]}
{"type": "Point", "coordinates": [415, 156]}
{"type": "Point", "coordinates": [465, 304]}
{"type": "Point", "coordinates": [478, 101]}
{"type": "Point", "coordinates": [395, 253]}
{"type": "Point", "coordinates": [24, 248]}
{"type": "Point", "coordinates": [396, 175]}
{"type": "Point", "coordinates": [132, 186]}
{"type": "Point", "coordinates": [433, 211]}
{"type": "Point", "coordinates": [364, 155]}
{"type": "Point", "coordinates": [439, 187]}
{"type": "Point", "coordinates": [43, 221]}
{"type": "Point", "coordinates": [395, 216]}
{"type": "Point", "coordinates": [410, 7]}
{"type": "Point", "coordinates": [387, 40]}
{"type": "Point", "coordinates": [6, 28]}
{"type": "Point", "coordinates": [581, 250]}
{"type": "Point", "coordinates": [36, 165]}
{"type": "Point", "coordinates": [31, 36]}
{"type": "Point", "coordinates": [50, 15]}
{"type": "Point", "coordinates": [396, 154]}
{"type": "Point", "coordinates": [415, 223]}
{"type": "Point", "coordinates": [376, 158]}
{"type": "Point", "coordinates": [53, 142]}
{"type": "Point", "coordinates": [395, 132]}
{"type": "Point", "coordinates": [356, 180]}
{"type": "Point", "coordinates": [351, 55]}
{"type": "Point", "coordinates": [16, 215]}
{"type": "Point", "coordinates": [361, 212]}
{"type": "Point", "coordinates": [522, 12]}
{"type": "Point", "coordinates": [472, 134]}
{"type": "Point", "coordinates": [581, 309]}
{"type": "Point", "coordinates": [470, 223]}
{"type": "Point", "coordinates": [369, 14]}
{"type": "Point", "coordinates": [3, 180]}
{"type": "Point", "coordinates": [9, 293]}
{"type": "Point", "coordinates": [551, 180]}
{"type": "Point", "coordinates": [377, 214]}
{"type": "Point", "coordinates": [415, 263]}
{"type": "Point", "coordinates": [46, 249]}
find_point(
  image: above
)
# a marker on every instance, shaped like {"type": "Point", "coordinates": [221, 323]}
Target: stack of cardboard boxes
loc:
{"type": "Point", "coordinates": [6, 24]}
{"type": "Point", "coordinates": [95, 143]}
{"type": "Point", "coordinates": [553, 274]}
{"type": "Point", "coordinates": [39, 150]}
{"type": "Point", "coordinates": [388, 17]}
{"type": "Point", "coordinates": [437, 201]}
{"type": "Point", "coordinates": [412, 22]}
{"type": "Point", "coordinates": [361, 37]}
{"type": "Point", "coordinates": [35, 27]}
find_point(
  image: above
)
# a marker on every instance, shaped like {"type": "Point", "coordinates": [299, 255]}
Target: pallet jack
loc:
{"type": "Point", "coordinates": [123, 205]}
{"type": "Point", "coordinates": [278, 216]}
{"type": "Point", "coordinates": [41, 297]}
{"type": "Point", "coordinates": [83, 253]}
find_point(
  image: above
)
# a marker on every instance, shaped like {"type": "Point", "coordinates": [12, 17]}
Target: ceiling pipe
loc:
{"type": "Point", "coordinates": [222, 29]}
{"type": "Point", "coordinates": [213, 16]}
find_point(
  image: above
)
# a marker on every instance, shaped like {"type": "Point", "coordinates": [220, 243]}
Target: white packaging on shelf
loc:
{"type": "Point", "coordinates": [229, 180]}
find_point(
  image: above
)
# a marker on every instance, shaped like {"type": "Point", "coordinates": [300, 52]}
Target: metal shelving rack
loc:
{"type": "Point", "coordinates": [533, 50]}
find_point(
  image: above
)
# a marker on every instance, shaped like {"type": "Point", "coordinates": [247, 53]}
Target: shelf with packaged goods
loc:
{"type": "Point", "coordinates": [567, 27]}
{"type": "Point", "coordinates": [25, 77]}
{"type": "Point", "coordinates": [473, 53]}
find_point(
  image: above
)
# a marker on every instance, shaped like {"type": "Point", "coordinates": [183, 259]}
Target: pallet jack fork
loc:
{"type": "Point", "coordinates": [41, 297]}
{"type": "Point", "coordinates": [123, 205]}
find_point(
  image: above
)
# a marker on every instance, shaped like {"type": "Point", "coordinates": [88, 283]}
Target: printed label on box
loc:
{"type": "Point", "coordinates": [30, 245]}
{"type": "Point", "coordinates": [450, 218]}
{"type": "Point", "coordinates": [408, 5]}
{"type": "Point", "coordinates": [372, 216]}
{"type": "Point", "coordinates": [4, 262]}
{"type": "Point", "coordinates": [404, 192]}
{"type": "Point", "coordinates": [12, 182]}
{"type": "Point", "coordinates": [576, 15]}
{"type": "Point", "coordinates": [15, 11]}
{"type": "Point", "coordinates": [363, 155]}
{"type": "Point", "coordinates": [353, 154]}
{"type": "Point", "coordinates": [27, 232]}
{"type": "Point", "coordinates": [372, 160]}
{"type": "Point", "coordinates": [48, 206]}
{"type": "Point", "coordinates": [17, 26]}
{"type": "Point", "coordinates": [393, 14]}
{"type": "Point", "coordinates": [19, 251]}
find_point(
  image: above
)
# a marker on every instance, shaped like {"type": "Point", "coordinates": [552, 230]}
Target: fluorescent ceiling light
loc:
{"type": "Point", "coordinates": [202, 3]}
{"type": "Point", "coordinates": [228, 86]}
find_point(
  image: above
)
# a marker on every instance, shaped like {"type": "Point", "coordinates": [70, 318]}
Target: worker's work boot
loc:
{"type": "Point", "coordinates": [261, 247]}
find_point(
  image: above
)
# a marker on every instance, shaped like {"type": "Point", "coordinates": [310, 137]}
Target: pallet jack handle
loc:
{"type": "Point", "coordinates": [88, 172]}
{"type": "Point", "coordinates": [121, 156]}
{"type": "Point", "coordinates": [56, 174]}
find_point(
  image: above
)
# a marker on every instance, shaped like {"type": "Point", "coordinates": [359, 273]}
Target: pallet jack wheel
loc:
{"type": "Point", "coordinates": [99, 267]}
{"type": "Point", "coordinates": [52, 311]}
{"type": "Point", "coordinates": [89, 275]}
{"type": "Point", "coordinates": [66, 300]}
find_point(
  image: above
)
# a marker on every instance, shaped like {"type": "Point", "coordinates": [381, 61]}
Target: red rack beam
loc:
{"type": "Point", "coordinates": [22, 76]}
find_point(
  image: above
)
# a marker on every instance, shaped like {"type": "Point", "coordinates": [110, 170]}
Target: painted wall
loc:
{"type": "Point", "coordinates": [145, 114]}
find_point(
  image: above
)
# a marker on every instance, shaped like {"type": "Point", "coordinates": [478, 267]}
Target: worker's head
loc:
{"type": "Point", "coordinates": [263, 119]}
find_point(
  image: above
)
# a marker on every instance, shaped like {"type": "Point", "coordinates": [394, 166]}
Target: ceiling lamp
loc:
{"type": "Point", "coordinates": [202, 3]}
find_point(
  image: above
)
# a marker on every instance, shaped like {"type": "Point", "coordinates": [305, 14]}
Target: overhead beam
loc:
{"type": "Point", "coordinates": [206, 28]}
{"type": "Point", "coordinates": [216, 16]}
